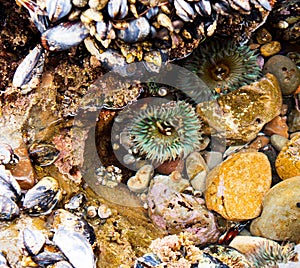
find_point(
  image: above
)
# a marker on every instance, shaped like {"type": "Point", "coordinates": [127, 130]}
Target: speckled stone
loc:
{"type": "Point", "coordinates": [235, 188]}
{"type": "Point", "coordinates": [288, 160]}
{"type": "Point", "coordinates": [270, 49]}
{"type": "Point", "coordinates": [285, 71]}
{"type": "Point", "coordinates": [280, 218]}
{"type": "Point", "coordinates": [241, 114]}
{"type": "Point", "coordinates": [277, 126]}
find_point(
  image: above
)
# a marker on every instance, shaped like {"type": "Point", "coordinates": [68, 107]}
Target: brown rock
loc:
{"type": "Point", "coordinates": [270, 49]}
{"type": "Point", "coordinates": [277, 126]}
{"type": "Point", "coordinates": [168, 167]}
{"type": "Point", "coordinates": [259, 142]}
{"type": "Point", "coordinates": [288, 161]}
{"type": "Point", "coordinates": [235, 189]}
{"type": "Point", "coordinates": [280, 218]}
{"type": "Point", "coordinates": [23, 170]}
{"type": "Point", "coordinates": [242, 113]}
{"type": "Point", "coordinates": [263, 36]}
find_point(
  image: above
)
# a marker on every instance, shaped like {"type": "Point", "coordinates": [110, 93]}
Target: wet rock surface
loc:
{"type": "Point", "coordinates": [242, 114]}
{"type": "Point", "coordinates": [236, 187]}
{"type": "Point", "coordinates": [280, 212]}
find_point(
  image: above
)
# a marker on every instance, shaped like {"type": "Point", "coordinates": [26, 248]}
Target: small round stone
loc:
{"type": "Point", "coordinates": [168, 167]}
{"type": "Point", "coordinates": [270, 49]}
{"type": "Point", "coordinates": [263, 36]}
{"type": "Point", "coordinates": [278, 141]}
{"type": "Point", "coordinates": [285, 71]}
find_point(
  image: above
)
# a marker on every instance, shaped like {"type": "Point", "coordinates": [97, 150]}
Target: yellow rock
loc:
{"type": "Point", "coordinates": [270, 49]}
{"type": "Point", "coordinates": [241, 114]}
{"type": "Point", "coordinates": [236, 188]}
{"type": "Point", "coordinates": [280, 218]}
{"type": "Point", "coordinates": [288, 160]}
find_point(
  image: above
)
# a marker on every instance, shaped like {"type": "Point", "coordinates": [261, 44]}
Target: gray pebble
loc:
{"type": "Point", "coordinates": [278, 141]}
{"type": "Point", "coordinates": [285, 71]}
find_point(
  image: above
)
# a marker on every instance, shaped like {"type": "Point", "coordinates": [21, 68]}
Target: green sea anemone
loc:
{"type": "Point", "coordinates": [222, 65]}
{"type": "Point", "coordinates": [270, 254]}
{"type": "Point", "coordinates": [166, 132]}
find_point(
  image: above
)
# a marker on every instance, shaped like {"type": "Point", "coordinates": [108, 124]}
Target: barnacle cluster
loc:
{"type": "Point", "coordinates": [166, 132]}
{"type": "Point", "coordinates": [222, 65]}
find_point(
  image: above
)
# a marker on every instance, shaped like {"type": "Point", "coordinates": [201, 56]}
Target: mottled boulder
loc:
{"type": "Point", "coordinates": [241, 114]}
{"type": "Point", "coordinates": [280, 218]}
{"type": "Point", "coordinates": [176, 212]}
{"type": "Point", "coordinates": [288, 161]}
{"type": "Point", "coordinates": [235, 188]}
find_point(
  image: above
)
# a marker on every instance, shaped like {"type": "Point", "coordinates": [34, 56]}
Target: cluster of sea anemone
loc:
{"type": "Point", "coordinates": [166, 132]}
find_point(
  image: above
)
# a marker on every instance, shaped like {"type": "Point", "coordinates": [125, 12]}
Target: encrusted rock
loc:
{"type": "Point", "coordinates": [280, 218]}
{"type": "Point", "coordinates": [177, 212]}
{"type": "Point", "coordinates": [241, 114]}
{"type": "Point", "coordinates": [288, 160]}
{"type": "Point", "coordinates": [197, 170]}
{"type": "Point", "coordinates": [285, 71]}
{"type": "Point", "coordinates": [235, 188]}
{"type": "Point", "coordinates": [139, 183]}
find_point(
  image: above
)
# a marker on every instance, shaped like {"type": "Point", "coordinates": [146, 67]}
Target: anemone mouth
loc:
{"type": "Point", "coordinates": [223, 66]}
{"type": "Point", "coordinates": [166, 132]}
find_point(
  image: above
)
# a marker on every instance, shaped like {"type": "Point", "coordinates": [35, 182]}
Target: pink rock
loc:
{"type": "Point", "coordinates": [177, 212]}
